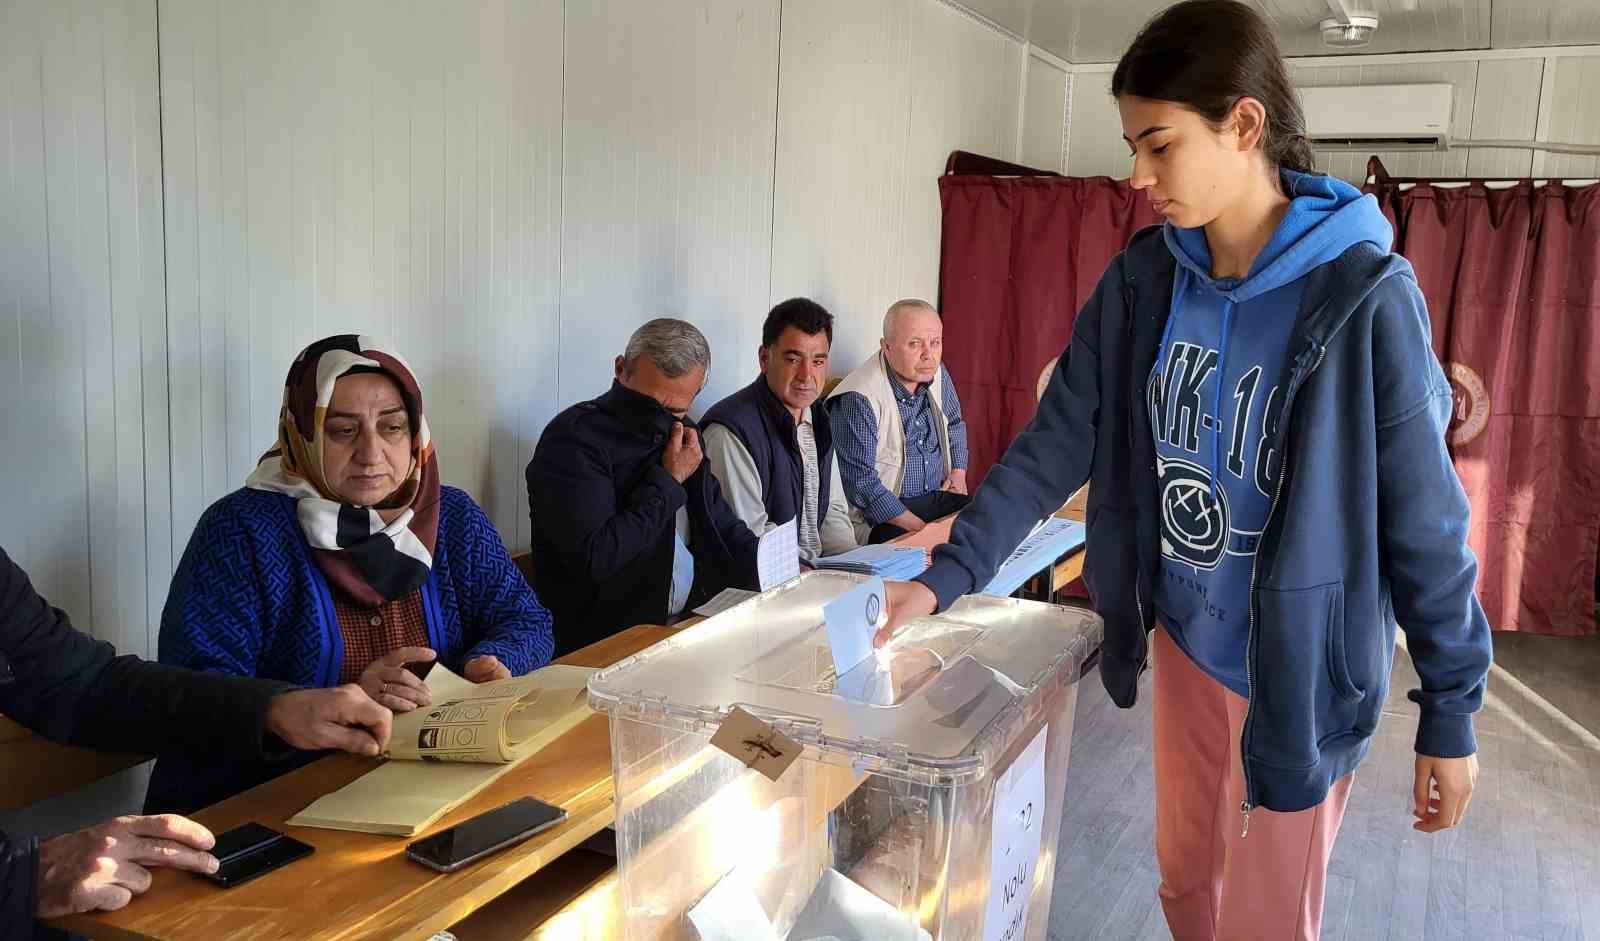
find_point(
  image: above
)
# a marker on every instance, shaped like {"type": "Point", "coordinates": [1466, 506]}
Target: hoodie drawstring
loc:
{"type": "Point", "coordinates": [1222, 370]}
{"type": "Point", "coordinates": [1180, 285]}
{"type": "Point", "coordinates": [1179, 288]}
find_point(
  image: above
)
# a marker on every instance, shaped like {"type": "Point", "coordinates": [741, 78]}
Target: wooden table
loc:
{"type": "Point", "coordinates": [360, 886]}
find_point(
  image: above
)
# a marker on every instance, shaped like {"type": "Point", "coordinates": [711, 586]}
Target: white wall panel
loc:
{"type": "Point", "coordinates": [359, 167]}
{"type": "Point", "coordinates": [1094, 141]}
{"type": "Point", "coordinates": [873, 97]}
{"type": "Point", "coordinates": [966, 84]}
{"type": "Point", "coordinates": [87, 505]}
{"type": "Point", "coordinates": [842, 181]}
{"type": "Point", "coordinates": [1574, 115]}
{"type": "Point", "coordinates": [505, 189]}
{"type": "Point", "coordinates": [1044, 110]}
{"type": "Point", "coordinates": [668, 189]}
{"type": "Point", "coordinates": [1500, 111]}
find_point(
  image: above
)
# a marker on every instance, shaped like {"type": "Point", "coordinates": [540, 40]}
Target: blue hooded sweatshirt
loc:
{"type": "Point", "coordinates": [1216, 467]}
{"type": "Point", "coordinates": [1366, 531]}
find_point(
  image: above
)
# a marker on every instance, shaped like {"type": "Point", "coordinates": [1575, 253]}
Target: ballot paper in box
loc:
{"type": "Point", "coordinates": [908, 793]}
{"type": "Point", "coordinates": [443, 754]}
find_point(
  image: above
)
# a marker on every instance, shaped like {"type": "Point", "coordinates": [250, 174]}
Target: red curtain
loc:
{"type": "Point", "coordinates": [1020, 256]}
{"type": "Point", "coordinates": [1512, 280]}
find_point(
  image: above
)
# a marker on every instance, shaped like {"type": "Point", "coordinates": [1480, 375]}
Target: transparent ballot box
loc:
{"type": "Point", "coordinates": [926, 801]}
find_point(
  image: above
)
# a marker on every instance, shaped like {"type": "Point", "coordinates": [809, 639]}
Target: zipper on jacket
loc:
{"type": "Point", "coordinates": [1136, 401]}
{"type": "Point", "coordinates": [1248, 803]}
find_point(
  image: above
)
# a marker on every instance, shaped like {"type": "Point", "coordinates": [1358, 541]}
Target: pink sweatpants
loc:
{"type": "Point", "coordinates": [1215, 884]}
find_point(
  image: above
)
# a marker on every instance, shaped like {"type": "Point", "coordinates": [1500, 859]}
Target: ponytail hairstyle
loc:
{"type": "Point", "coordinates": [1208, 54]}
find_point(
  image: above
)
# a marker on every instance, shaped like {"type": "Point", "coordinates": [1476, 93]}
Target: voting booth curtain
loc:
{"type": "Point", "coordinates": [1511, 274]}
{"type": "Point", "coordinates": [1020, 256]}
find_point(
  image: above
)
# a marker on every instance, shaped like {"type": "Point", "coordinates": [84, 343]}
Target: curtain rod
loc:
{"type": "Point", "coordinates": [1554, 147]}
{"type": "Point", "coordinates": [1407, 182]}
{"type": "Point", "coordinates": [964, 163]}
{"type": "Point", "coordinates": [1378, 173]}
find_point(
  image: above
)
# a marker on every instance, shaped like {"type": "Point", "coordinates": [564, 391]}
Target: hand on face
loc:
{"type": "Point", "coordinates": [681, 453]}
{"type": "Point", "coordinates": [682, 456]}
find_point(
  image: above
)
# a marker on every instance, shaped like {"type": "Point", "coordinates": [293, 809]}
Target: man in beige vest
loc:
{"type": "Point", "coordinates": [898, 431]}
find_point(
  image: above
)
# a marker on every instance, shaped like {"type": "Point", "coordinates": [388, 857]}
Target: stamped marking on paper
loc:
{"type": "Point", "coordinates": [757, 744]}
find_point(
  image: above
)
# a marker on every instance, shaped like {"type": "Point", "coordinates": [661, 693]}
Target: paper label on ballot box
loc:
{"type": "Point", "coordinates": [1015, 843]}
{"type": "Point", "coordinates": [761, 747]}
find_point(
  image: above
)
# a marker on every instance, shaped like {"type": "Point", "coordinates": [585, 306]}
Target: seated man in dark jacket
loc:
{"type": "Point", "coordinates": [771, 449]}
{"type": "Point", "coordinates": [629, 525]}
{"type": "Point", "coordinates": [73, 689]}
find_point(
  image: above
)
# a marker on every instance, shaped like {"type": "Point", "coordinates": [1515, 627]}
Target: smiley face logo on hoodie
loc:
{"type": "Point", "coordinates": [1194, 515]}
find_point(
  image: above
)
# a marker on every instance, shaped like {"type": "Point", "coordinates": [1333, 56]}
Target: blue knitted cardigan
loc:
{"type": "Point", "coordinates": [249, 600]}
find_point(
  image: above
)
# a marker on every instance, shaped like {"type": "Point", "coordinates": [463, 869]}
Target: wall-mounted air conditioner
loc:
{"type": "Point", "coordinates": [1378, 117]}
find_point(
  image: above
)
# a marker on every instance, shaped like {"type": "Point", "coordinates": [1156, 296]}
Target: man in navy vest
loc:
{"type": "Point", "coordinates": [774, 462]}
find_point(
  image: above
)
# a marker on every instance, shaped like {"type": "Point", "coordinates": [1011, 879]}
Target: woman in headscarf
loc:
{"type": "Point", "coordinates": [343, 560]}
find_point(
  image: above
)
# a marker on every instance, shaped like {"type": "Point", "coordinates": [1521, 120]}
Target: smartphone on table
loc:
{"type": "Point", "coordinates": [250, 851]}
{"type": "Point", "coordinates": [493, 830]}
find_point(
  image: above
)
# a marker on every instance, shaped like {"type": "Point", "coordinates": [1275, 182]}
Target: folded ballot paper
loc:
{"type": "Point", "coordinates": [444, 754]}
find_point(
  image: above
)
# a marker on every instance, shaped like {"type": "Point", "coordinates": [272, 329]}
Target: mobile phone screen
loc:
{"type": "Point", "coordinates": [241, 840]}
{"type": "Point", "coordinates": [495, 829]}
{"type": "Point", "coordinates": [253, 850]}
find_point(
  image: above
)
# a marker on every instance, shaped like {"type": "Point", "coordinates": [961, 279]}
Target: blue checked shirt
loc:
{"type": "Point", "coordinates": [855, 439]}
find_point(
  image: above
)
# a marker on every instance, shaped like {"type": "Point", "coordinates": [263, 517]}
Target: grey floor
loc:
{"type": "Point", "coordinates": [1524, 866]}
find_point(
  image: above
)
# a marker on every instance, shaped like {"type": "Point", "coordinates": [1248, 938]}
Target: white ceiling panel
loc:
{"type": "Point", "coordinates": [1404, 25]}
{"type": "Point", "coordinates": [1084, 31]}
{"type": "Point", "coordinates": [1013, 15]}
{"type": "Point", "coordinates": [1520, 23]}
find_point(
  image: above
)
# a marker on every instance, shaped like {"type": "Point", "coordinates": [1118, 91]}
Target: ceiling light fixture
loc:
{"type": "Point", "coordinates": [1347, 28]}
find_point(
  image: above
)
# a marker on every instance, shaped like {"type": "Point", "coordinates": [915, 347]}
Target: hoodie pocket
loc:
{"type": "Point", "coordinates": [1304, 694]}
{"type": "Point", "coordinates": [1338, 659]}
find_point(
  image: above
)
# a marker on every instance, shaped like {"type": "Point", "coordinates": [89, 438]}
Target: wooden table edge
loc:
{"type": "Point", "coordinates": [571, 833]}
